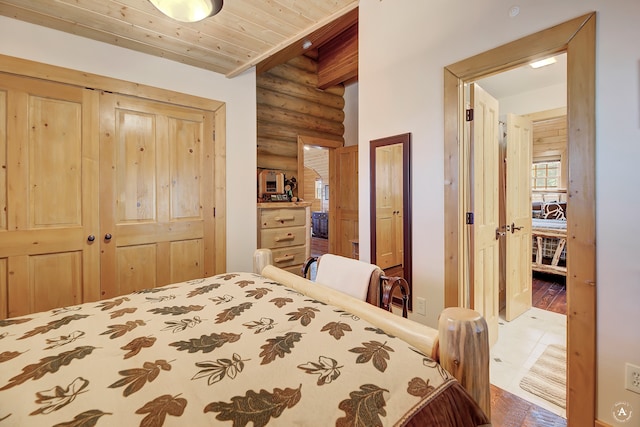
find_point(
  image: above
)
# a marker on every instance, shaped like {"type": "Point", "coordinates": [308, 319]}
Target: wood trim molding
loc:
{"type": "Point", "coordinates": [577, 38]}
{"type": "Point", "coordinates": [24, 67]}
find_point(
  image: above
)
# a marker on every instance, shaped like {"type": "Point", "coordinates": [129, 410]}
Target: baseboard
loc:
{"type": "Point", "coordinates": [599, 423]}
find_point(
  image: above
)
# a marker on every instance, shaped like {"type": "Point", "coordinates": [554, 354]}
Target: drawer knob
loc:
{"type": "Point", "coordinates": [284, 258]}
{"type": "Point", "coordinates": [284, 218]}
{"type": "Point", "coordinates": [285, 238]}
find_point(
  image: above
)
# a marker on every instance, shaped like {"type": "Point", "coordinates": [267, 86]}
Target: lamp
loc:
{"type": "Point", "coordinates": [188, 10]}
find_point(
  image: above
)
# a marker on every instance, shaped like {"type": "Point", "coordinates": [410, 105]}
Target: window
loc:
{"type": "Point", "coordinates": [545, 175]}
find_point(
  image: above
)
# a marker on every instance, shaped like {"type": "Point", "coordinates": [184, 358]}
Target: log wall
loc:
{"type": "Point", "coordinates": [289, 104]}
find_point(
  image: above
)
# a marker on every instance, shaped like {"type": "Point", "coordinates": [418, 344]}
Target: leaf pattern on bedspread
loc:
{"type": "Point", "coordinates": [58, 397]}
{"type": "Point", "coordinates": [176, 310]}
{"type": "Point", "coordinates": [46, 365]}
{"type": "Point", "coordinates": [136, 378]}
{"type": "Point", "coordinates": [137, 345]}
{"type": "Point", "coordinates": [8, 355]}
{"type": "Point", "coordinates": [375, 351]}
{"type": "Point", "coordinates": [117, 331]}
{"type": "Point", "coordinates": [203, 290]}
{"type": "Point", "coordinates": [257, 293]}
{"type": "Point", "coordinates": [419, 387]}
{"type": "Point", "coordinates": [216, 370]}
{"type": "Point", "coordinates": [206, 343]}
{"type": "Point", "coordinates": [279, 346]}
{"type": "Point", "coordinates": [53, 325]}
{"type": "Point", "coordinates": [254, 407]}
{"type": "Point", "coordinates": [231, 313]}
{"type": "Point", "coordinates": [336, 329]}
{"type": "Point", "coordinates": [240, 349]}
{"type": "Point", "coordinates": [9, 322]}
{"type": "Point", "coordinates": [64, 339]}
{"type": "Point", "coordinates": [122, 312]}
{"type": "Point", "coordinates": [108, 305]}
{"type": "Point", "coordinates": [159, 408]}
{"type": "Point", "coordinates": [304, 314]}
{"type": "Point", "coordinates": [85, 419]}
{"type": "Point", "coordinates": [364, 407]}
{"type": "Point", "coordinates": [327, 369]}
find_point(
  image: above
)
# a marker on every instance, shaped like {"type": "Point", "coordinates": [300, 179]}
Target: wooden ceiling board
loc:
{"type": "Point", "coordinates": [244, 34]}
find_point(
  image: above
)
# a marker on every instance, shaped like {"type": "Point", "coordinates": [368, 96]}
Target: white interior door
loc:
{"type": "Point", "coordinates": [518, 216]}
{"type": "Point", "coordinates": [484, 274]}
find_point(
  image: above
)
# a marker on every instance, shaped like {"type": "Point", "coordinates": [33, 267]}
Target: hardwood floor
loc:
{"type": "Point", "coordinates": [509, 410]}
{"type": "Point", "coordinates": [319, 246]}
{"type": "Point", "coordinates": [549, 292]}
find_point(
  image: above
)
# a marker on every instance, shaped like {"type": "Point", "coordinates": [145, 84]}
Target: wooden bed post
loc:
{"type": "Point", "coordinates": [464, 351]}
{"type": "Point", "coordinates": [262, 258]}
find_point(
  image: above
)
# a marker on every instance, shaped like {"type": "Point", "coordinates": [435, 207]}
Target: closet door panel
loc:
{"type": "Point", "coordinates": [48, 185]}
{"type": "Point", "coordinates": [154, 192]}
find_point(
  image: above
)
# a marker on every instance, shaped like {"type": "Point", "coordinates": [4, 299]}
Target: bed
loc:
{"type": "Point", "coordinates": [549, 235]}
{"type": "Point", "coordinates": [235, 349]}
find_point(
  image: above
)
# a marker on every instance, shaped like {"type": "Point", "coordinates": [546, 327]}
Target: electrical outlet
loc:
{"type": "Point", "coordinates": [632, 378]}
{"type": "Point", "coordinates": [421, 306]}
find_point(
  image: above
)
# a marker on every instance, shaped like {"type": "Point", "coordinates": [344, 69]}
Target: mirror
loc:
{"type": "Point", "coordinates": [391, 205]}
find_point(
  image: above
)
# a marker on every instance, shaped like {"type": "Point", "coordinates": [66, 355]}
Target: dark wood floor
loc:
{"type": "Point", "coordinates": [509, 410]}
{"type": "Point", "coordinates": [549, 292]}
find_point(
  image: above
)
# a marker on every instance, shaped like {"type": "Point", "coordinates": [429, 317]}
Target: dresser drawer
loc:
{"type": "Point", "coordinates": [285, 217]}
{"type": "Point", "coordinates": [288, 257]}
{"type": "Point", "coordinates": [282, 237]}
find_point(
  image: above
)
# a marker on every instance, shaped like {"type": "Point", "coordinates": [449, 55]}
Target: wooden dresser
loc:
{"type": "Point", "coordinates": [285, 229]}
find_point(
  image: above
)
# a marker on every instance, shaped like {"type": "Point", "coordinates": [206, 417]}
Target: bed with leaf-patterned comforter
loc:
{"type": "Point", "coordinates": [235, 349]}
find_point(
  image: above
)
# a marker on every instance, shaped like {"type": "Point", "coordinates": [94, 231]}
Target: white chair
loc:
{"type": "Point", "coordinates": [359, 279]}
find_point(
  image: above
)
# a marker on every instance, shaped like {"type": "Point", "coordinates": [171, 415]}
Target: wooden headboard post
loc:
{"type": "Point", "coordinates": [464, 352]}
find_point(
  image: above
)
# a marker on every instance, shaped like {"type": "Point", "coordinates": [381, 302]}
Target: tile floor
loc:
{"type": "Point", "coordinates": [520, 343]}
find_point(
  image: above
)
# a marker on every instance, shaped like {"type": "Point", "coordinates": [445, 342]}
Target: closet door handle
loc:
{"type": "Point", "coordinates": [107, 237]}
{"type": "Point", "coordinates": [514, 228]}
{"type": "Point", "coordinates": [91, 238]}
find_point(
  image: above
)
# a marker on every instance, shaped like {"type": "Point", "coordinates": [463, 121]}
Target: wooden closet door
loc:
{"type": "Point", "coordinates": [156, 200]}
{"type": "Point", "coordinates": [48, 195]}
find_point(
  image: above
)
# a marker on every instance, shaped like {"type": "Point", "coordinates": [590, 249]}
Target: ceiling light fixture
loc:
{"type": "Point", "coordinates": [543, 62]}
{"type": "Point", "coordinates": [188, 10]}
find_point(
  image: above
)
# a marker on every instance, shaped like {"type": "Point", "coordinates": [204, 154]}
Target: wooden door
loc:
{"type": "Point", "coordinates": [48, 195]}
{"type": "Point", "coordinates": [385, 208]}
{"type": "Point", "coordinates": [518, 216]}
{"type": "Point", "coordinates": [156, 201]}
{"type": "Point", "coordinates": [346, 200]}
{"type": "Point", "coordinates": [484, 204]}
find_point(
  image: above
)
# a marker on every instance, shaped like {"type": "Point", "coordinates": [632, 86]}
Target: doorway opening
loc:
{"type": "Point", "coordinates": [577, 38]}
{"type": "Point", "coordinates": [531, 138]}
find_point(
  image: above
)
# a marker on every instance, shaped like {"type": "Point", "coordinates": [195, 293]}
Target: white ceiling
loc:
{"type": "Point", "coordinates": [525, 79]}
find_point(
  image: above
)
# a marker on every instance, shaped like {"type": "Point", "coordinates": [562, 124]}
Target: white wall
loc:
{"type": "Point", "coordinates": [401, 90]}
{"type": "Point", "coordinates": [27, 41]}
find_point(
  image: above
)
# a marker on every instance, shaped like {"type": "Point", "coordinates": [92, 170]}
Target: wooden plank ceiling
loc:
{"type": "Point", "coordinates": [246, 33]}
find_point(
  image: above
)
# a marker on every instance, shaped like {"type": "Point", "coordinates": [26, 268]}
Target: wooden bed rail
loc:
{"type": "Point", "coordinates": [460, 345]}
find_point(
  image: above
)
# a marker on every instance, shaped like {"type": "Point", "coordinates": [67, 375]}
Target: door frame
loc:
{"type": "Point", "coordinates": [330, 145]}
{"type": "Point", "coordinates": [577, 37]}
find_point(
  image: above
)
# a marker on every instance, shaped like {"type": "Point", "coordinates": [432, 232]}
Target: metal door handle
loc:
{"type": "Point", "coordinates": [91, 238]}
{"type": "Point", "coordinates": [499, 233]}
{"type": "Point", "coordinates": [514, 228]}
{"type": "Point", "coordinates": [107, 236]}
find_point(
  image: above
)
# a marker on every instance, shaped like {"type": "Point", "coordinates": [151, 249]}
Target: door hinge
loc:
{"type": "Point", "coordinates": [469, 114]}
{"type": "Point", "coordinates": [214, 211]}
{"type": "Point", "coordinates": [469, 218]}
{"type": "Point", "coordinates": [214, 135]}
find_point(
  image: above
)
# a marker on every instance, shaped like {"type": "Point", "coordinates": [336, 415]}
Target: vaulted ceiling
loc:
{"type": "Point", "coordinates": [246, 33]}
